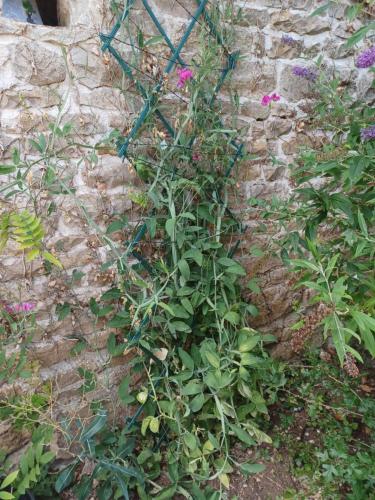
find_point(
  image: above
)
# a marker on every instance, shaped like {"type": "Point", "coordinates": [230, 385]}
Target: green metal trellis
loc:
{"type": "Point", "coordinates": [150, 107]}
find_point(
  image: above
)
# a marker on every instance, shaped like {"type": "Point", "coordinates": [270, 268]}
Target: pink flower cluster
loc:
{"type": "Point", "coordinates": [19, 308]}
{"type": "Point", "coordinates": [184, 75]}
{"type": "Point", "coordinates": [267, 99]}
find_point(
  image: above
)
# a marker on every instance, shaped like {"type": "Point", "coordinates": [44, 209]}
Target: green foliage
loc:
{"type": "Point", "coordinates": [207, 377]}
{"type": "Point", "coordinates": [25, 229]}
{"type": "Point", "coordinates": [15, 337]}
{"type": "Point", "coordinates": [336, 453]}
{"type": "Point", "coordinates": [32, 467]}
{"type": "Point", "coordinates": [330, 220]}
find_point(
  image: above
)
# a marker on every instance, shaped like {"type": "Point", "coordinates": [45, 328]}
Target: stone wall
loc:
{"type": "Point", "coordinates": [58, 74]}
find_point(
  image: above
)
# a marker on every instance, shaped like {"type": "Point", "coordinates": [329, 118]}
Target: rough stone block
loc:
{"type": "Point", "coordinates": [285, 21]}
{"type": "Point", "coordinates": [294, 88]}
{"type": "Point", "coordinates": [254, 17]}
{"type": "Point", "coordinates": [276, 127]}
{"type": "Point", "coordinates": [36, 64]}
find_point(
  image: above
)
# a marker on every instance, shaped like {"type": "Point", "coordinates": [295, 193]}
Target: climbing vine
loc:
{"type": "Point", "coordinates": [177, 307]}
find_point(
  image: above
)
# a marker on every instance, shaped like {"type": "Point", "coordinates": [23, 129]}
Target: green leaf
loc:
{"type": "Point", "coordinates": [167, 493]}
{"type": "Point", "coordinates": [179, 311]}
{"type": "Point", "coordinates": [84, 488]}
{"type": "Point", "coordinates": [95, 427]}
{"type": "Point", "coordinates": [190, 440]}
{"type": "Point", "coordinates": [305, 264]}
{"type": "Point", "coordinates": [180, 326]}
{"type": "Point", "coordinates": [170, 227]}
{"type": "Point", "coordinates": [224, 479]}
{"type": "Point", "coordinates": [117, 225]}
{"type": "Point", "coordinates": [242, 435]}
{"type": "Point", "coordinates": [253, 285]}
{"type": "Point", "coordinates": [123, 486]}
{"type": "Point", "coordinates": [89, 383]}
{"type": "Point", "coordinates": [195, 255]}
{"type": "Point", "coordinates": [187, 305]}
{"type": "Point", "coordinates": [188, 215]}
{"type": "Point", "coordinates": [227, 262]}
{"type": "Point", "coordinates": [197, 403]}
{"type": "Point", "coordinates": [237, 269]}
{"type": "Point", "coordinates": [119, 321]}
{"type": "Point", "coordinates": [334, 324]}
{"type": "Point", "coordinates": [4, 495]}
{"type": "Point", "coordinates": [145, 423]}
{"type": "Point", "coordinates": [322, 9]}
{"type": "Point", "coordinates": [186, 359]}
{"type": "Point", "coordinates": [366, 325]}
{"type": "Point", "coordinates": [167, 308]}
{"type": "Point", "coordinates": [154, 425]}
{"type": "Point", "coordinates": [129, 471]}
{"type": "Point", "coordinates": [63, 310]}
{"type": "Point", "coordinates": [184, 269]}
{"type": "Point", "coordinates": [112, 294]}
{"type": "Point", "coordinates": [47, 457]}
{"type": "Point", "coordinates": [52, 259]}
{"type": "Point", "coordinates": [114, 349]}
{"type": "Point", "coordinates": [213, 359]}
{"type": "Point", "coordinates": [9, 479]}
{"type": "Point", "coordinates": [7, 169]}
{"type": "Point", "coordinates": [65, 478]}
{"type": "Point", "coordinates": [145, 454]}
{"type": "Point", "coordinates": [256, 252]}
{"type": "Point", "coordinates": [154, 40]}
{"type": "Point", "coordinates": [359, 34]}
{"type": "Point", "coordinates": [248, 469]}
{"type": "Point", "coordinates": [232, 317]}
{"type": "Point", "coordinates": [184, 291]}
{"type": "Point", "coordinates": [217, 380]}
{"type": "Point", "coordinates": [362, 224]}
{"type": "Point", "coordinates": [248, 344]}
{"type": "Point", "coordinates": [123, 391]}
{"type": "Point", "coordinates": [192, 388]}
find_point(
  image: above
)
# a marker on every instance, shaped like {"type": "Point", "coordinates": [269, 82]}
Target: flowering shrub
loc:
{"type": "Point", "coordinates": [366, 59]}
{"type": "Point", "coordinates": [330, 220]}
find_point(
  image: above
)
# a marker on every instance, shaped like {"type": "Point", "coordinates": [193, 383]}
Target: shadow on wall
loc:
{"type": "Point", "coordinates": [48, 12]}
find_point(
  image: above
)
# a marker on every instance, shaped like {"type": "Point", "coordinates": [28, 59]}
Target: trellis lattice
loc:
{"type": "Point", "coordinates": [152, 110]}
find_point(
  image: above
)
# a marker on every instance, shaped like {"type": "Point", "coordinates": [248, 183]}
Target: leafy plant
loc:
{"type": "Point", "coordinates": [330, 219]}
{"type": "Point", "coordinates": [32, 465]}
{"type": "Point", "coordinates": [207, 379]}
{"type": "Point", "coordinates": [336, 452]}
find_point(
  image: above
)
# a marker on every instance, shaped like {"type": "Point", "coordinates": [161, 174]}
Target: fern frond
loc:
{"type": "Point", "coordinates": [4, 230]}
{"type": "Point", "coordinates": [27, 230]}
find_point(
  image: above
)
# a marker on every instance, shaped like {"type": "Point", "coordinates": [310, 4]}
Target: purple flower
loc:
{"type": "Point", "coordinates": [306, 73]}
{"type": "Point", "coordinates": [366, 59]}
{"type": "Point", "coordinates": [368, 133]}
{"type": "Point", "coordinates": [18, 308]}
{"type": "Point", "coordinates": [185, 75]}
{"type": "Point", "coordinates": [288, 40]}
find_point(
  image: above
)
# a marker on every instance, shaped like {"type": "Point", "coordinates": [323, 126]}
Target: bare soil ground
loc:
{"type": "Point", "coordinates": [267, 485]}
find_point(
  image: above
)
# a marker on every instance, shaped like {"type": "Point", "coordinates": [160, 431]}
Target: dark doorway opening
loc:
{"type": "Point", "coordinates": [48, 12]}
